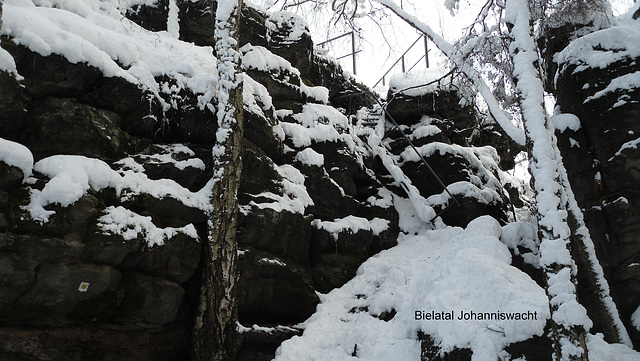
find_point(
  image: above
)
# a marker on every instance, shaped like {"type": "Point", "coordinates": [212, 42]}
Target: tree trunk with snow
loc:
{"type": "Point", "coordinates": [215, 331]}
{"type": "Point", "coordinates": [568, 318]}
{"type": "Point", "coordinates": [607, 311]}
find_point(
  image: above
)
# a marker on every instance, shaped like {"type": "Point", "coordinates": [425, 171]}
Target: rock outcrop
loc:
{"type": "Point", "coordinates": [100, 245]}
{"type": "Point", "coordinates": [599, 148]}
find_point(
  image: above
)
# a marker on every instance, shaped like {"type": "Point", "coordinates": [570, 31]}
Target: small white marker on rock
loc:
{"type": "Point", "coordinates": [84, 287]}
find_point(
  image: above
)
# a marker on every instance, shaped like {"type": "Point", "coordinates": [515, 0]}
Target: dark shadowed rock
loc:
{"type": "Point", "coordinates": [10, 176]}
{"type": "Point", "coordinates": [175, 260]}
{"type": "Point", "coordinates": [443, 104]}
{"type": "Point", "coordinates": [273, 289]}
{"type": "Point", "coordinates": [283, 233]}
{"type": "Point", "coordinates": [86, 131]}
{"type": "Point", "coordinates": [51, 75]}
{"type": "Point", "coordinates": [59, 287]}
{"type": "Point", "coordinates": [16, 275]}
{"type": "Point", "coordinates": [14, 102]}
{"type": "Point", "coordinates": [604, 170]}
{"type": "Point", "coordinates": [90, 343]}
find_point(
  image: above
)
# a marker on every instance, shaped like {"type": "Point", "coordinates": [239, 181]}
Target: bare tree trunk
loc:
{"type": "Point", "coordinates": [568, 318]}
{"type": "Point", "coordinates": [215, 331]}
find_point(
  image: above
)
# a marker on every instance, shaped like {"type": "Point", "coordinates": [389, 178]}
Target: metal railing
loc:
{"type": "Point", "coordinates": [353, 47]}
{"type": "Point", "coordinates": [401, 59]}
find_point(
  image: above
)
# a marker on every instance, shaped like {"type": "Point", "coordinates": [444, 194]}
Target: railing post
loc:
{"type": "Point", "coordinates": [426, 50]}
{"type": "Point", "coordinates": [403, 68]}
{"type": "Point", "coordinates": [353, 51]}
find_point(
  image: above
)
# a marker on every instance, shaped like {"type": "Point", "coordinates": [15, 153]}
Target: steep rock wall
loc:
{"type": "Point", "coordinates": [600, 152]}
{"type": "Point", "coordinates": [110, 273]}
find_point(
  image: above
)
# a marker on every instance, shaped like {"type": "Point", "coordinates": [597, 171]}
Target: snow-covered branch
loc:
{"type": "Point", "coordinates": [501, 117]}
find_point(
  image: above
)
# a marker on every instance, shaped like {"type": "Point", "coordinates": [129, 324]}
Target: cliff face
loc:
{"type": "Point", "coordinates": [105, 169]}
{"type": "Point", "coordinates": [595, 81]}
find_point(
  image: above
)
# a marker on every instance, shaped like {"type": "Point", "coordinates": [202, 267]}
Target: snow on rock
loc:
{"type": "Point", "coordinates": [261, 59]}
{"type": "Point", "coordinates": [353, 224]}
{"type": "Point", "coordinates": [169, 155]}
{"type": "Point", "coordinates": [316, 123]}
{"type": "Point", "coordinates": [295, 198]}
{"type": "Point", "coordinates": [600, 350]}
{"type": "Point", "coordinates": [384, 198]}
{"type": "Point", "coordinates": [309, 156]}
{"type": "Point", "coordinates": [467, 190]}
{"type": "Point", "coordinates": [130, 225]}
{"type": "Point", "coordinates": [423, 129]}
{"type": "Point", "coordinates": [483, 160]}
{"type": "Point", "coordinates": [443, 271]}
{"type": "Point", "coordinates": [96, 33]}
{"type": "Point", "coordinates": [255, 96]}
{"type": "Point", "coordinates": [626, 81]}
{"type": "Point", "coordinates": [564, 121]}
{"type": "Point", "coordinates": [291, 24]}
{"type": "Point", "coordinates": [272, 261]}
{"type": "Point", "coordinates": [632, 144]}
{"type": "Point", "coordinates": [523, 236]}
{"type": "Point", "coordinates": [71, 176]}
{"type": "Point", "coordinates": [417, 82]}
{"type": "Point", "coordinates": [422, 209]}
{"type": "Point", "coordinates": [8, 64]}
{"type": "Point", "coordinates": [602, 48]}
{"type": "Point", "coordinates": [16, 155]}
{"type": "Point", "coordinates": [635, 319]}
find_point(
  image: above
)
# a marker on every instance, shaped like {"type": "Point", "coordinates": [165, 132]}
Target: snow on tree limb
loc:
{"type": "Point", "coordinates": [496, 111]}
{"type": "Point", "coordinates": [569, 318]}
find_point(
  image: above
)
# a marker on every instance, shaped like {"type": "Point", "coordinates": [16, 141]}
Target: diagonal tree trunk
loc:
{"type": "Point", "coordinates": [568, 318]}
{"type": "Point", "coordinates": [465, 67]}
{"type": "Point", "coordinates": [215, 337]}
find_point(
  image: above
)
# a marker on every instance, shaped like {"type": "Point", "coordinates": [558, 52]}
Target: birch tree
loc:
{"type": "Point", "coordinates": [214, 337]}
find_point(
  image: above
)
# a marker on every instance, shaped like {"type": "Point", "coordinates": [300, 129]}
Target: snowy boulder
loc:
{"type": "Point", "coordinates": [485, 226]}
{"type": "Point", "coordinates": [471, 175]}
{"type": "Point", "coordinates": [289, 37]}
{"type": "Point", "coordinates": [413, 95]}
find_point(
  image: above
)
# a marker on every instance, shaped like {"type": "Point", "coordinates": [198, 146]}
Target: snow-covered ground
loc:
{"type": "Point", "coordinates": [456, 285]}
{"type": "Point", "coordinates": [438, 273]}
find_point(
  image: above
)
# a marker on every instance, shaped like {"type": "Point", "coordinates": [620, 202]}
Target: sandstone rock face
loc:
{"type": "Point", "coordinates": [112, 275]}
{"type": "Point", "coordinates": [602, 163]}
